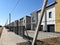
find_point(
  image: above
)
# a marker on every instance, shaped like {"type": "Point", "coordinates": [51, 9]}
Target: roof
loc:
{"type": "Point", "coordinates": [53, 3]}
{"type": "Point", "coordinates": [24, 16]}
{"type": "Point", "coordinates": [28, 16]}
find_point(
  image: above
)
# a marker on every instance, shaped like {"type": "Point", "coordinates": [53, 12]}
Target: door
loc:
{"type": "Point", "coordinates": [51, 28]}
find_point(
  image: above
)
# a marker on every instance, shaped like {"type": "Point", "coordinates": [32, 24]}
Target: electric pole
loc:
{"type": "Point", "coordinates": [39, 22]}
{"type": "Point", "coordinates": [9, 20]}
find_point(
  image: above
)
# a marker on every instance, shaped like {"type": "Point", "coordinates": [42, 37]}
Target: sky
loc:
{"type": "Point", "coordinates": [23, 8]}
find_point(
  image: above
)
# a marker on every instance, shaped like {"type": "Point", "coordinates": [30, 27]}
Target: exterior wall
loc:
{"type": "Point", "coordinates": [28, 22]}
{"type": "Point", "coordinates": [46, 20]}
{"type": "Point", "coordinates": [18, 22]}
{"type": "Point", "coordinates": [57, 16]}
{"type": "Point", "coordinates": [21, 22]}
{"type": "Point", "coordinates": [34, 16]}
{"type": "Point", "coordinates": [39, 13]}
{"type": "Point", "coordinates": [49, 20]}
{"type": "Point", "coordinates": [52, 19]}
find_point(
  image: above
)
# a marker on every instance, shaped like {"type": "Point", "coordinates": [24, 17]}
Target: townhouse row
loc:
{"type": "Point", "coordinates": [23, 23]}
{"type": "Point", "coordinates": [51, 18]}
{"type": "Point", "coordinates": [50, 22]}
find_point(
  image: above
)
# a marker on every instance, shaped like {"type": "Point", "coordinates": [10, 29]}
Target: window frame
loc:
{"type": "Point", "coordinates": [50, 14]}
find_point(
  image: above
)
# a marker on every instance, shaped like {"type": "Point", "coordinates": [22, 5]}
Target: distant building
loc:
{"type": "Point", "coordinates": [18, 26]}
{"type": "Point", "coordinates": [34, 20]}
{"type": "Point", "coordinates": [26, 21]}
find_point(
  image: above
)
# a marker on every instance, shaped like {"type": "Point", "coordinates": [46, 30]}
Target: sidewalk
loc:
{"type": "Point", "coordinates": [10, 38]}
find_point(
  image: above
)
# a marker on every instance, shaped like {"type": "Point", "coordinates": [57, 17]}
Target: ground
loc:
{"type": "Point", "coordinates": [43, 35]}
{"type": "Point", "coordinates": [10, 38]}
{"type": "Point", "coordinates": [44, 38]}
{"type": "Point", "coordinates": [49, 41]}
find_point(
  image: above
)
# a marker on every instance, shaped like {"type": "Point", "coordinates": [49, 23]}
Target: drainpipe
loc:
{"type": "Point", "coordinates": [45, 22]}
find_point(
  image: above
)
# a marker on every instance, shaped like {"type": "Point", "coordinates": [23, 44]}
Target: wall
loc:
{"type": "Point", "coordinates": [34, 23]}
{"type": "Point", "coordinates": [57, 16]}
{"type": "Point", "coordinates": [28, 22]}
{"type": "Point", "coordinates": [49, 20]}
{"type": "Point", "coordinates": [46, 20]}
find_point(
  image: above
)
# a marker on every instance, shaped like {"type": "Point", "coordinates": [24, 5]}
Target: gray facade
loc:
{"type": "Point", "coordinates": [26, 21]}
{"type": "Point", "coordinates": [18, 26]}
{"type": "Point", "coordinates": [34, 20]}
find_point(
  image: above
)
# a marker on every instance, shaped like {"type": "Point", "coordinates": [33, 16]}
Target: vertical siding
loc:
{"type": "Point", "coordinates": [57, 11]}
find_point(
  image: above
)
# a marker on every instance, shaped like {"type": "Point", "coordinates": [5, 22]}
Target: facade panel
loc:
{"type": "Point", "coordinates": [57, 16]}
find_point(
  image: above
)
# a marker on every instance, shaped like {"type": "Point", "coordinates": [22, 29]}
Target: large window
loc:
{"type": "Point", "coordinates": [50, 14]}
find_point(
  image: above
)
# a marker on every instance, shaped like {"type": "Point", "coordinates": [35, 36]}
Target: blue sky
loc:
{"type": "Point", "coordinates": [25, 7]}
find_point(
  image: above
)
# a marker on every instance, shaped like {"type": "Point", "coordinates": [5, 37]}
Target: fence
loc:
{"type": "Point", "coordinates": [19, 30]}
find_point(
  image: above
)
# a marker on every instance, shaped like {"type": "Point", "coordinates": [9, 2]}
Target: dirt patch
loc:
{"type": "Point", "coordinates": [1, 29]}
{"type": "Point", "coordinates": [50, 41]}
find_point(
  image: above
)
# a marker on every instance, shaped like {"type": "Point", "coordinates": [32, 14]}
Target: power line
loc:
{"type": "Point", "coordinates": [6, 23]}
{"type": "Point", "coordinates": [15, 6]}
{"type": "Point", "coordinates": [13, 10]}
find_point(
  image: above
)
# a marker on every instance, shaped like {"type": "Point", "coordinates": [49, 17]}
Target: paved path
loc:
{"type": "Point", "coordinates": [10, 38]}
{"type": "Point", "coordinates": [43, 35]}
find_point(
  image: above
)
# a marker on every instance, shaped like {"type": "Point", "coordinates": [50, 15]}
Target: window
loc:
{"type": "Point", "coordinates": [50, 14]}
{"type": "Point", "coordinates": [24, 21]}
{"type": "Point", "coordinates": [50, 28]}
{"type": "Point", "coordinates": [33, 19]}
{"type": "Point", "coordinates": [41, 28]}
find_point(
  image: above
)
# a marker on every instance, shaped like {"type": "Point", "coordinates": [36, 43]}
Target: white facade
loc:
{"type": "Point", "coordinates": [49, 20]}
{"type": "Point", "coordinates": [46, 19]}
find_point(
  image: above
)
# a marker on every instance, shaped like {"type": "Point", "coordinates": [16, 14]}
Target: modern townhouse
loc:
{"type": "Point", "coordinates": [51, 18]}
{"type": "Point", "coordinates": [26, 21]}
{"type": "Point", "coordinates": [18, 26]}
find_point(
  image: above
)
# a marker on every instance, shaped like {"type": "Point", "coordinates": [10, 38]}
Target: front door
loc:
{"type": "Point", "coordinates": [51, 28]}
